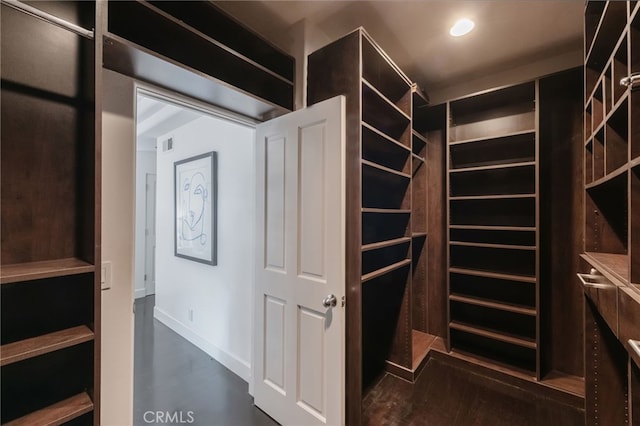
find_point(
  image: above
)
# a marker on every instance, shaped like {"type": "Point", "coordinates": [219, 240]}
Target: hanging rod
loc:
{"type": "Point", "coordinates": [47, 17]}
{"type": "Point", "coordinates": [630, 81]}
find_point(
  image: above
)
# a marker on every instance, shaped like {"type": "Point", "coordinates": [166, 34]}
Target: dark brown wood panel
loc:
{"type": "Point", "coordinates": [605, 372]}
{"type": "Point", "coordinates": [561, 210]}
{"type": "Point", "coordinates": [431, 122]}
{"type": "Point", "coordinates": [628, 316]}
{"type": "Point", "coordinates": [324, 82]}
{"type": "Point", "coordinates": [50, 208]}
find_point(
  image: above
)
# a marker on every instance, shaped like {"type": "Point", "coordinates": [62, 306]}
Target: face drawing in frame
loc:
{"type": "Point", "coordinates": [194, 202]}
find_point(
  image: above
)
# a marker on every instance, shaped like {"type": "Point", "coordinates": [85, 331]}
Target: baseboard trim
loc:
{"type": "Point", "coordinates": [140, 293]}
{"type": "Point", "coordinates": [236, 365]}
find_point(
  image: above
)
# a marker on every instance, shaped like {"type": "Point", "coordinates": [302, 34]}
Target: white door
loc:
{"type": "Point", "coordinates": [150, 236]}
{"type": "Point", "coordinates": [299, 346]}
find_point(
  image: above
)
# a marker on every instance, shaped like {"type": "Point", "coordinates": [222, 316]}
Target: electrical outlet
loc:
{"type": "Point", "coordinates": [105, 276]}
{"type": "Point", "coordinates": [191, 315]}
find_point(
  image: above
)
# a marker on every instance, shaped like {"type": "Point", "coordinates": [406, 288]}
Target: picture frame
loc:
{"type": "Point", "coordinates": [196, 203]}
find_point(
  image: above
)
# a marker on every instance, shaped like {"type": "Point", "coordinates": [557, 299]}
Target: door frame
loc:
{"type": "Point", "coordinates": [183, 101]}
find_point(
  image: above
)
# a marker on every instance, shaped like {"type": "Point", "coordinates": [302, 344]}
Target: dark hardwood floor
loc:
{"type": "Point", "coordinates": [445, 395]}
{"type": "Point", "coordinates": [173, 376]}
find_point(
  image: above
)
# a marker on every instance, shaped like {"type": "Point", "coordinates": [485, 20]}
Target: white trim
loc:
{"type": "Point", "coordinates": [139, 293]}
{"type": "Point", "coordinates": [233, 363]}
{"type": "Point", "coordinates": [176, 99]}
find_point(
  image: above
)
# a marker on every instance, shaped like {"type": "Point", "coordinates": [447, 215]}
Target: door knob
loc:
{"type": "Point", "coordinates": [330, 301]}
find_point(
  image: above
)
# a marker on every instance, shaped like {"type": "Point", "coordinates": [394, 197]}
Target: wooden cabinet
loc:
{"type": "Point", "coordinates": [196, 49]}
{"type": "Point", "coordinates": [612, 194]}
{"type": "Point", "coordinates": [386, 213]}
{"type": "Point", "coordinates": [511, 244]}
{"type": "Point", "coordinates": [50, 186]}
{"type": "Point", "coordinates": [493, 221]}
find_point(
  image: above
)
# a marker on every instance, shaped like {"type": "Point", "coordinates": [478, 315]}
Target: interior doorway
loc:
{"type": "Point", "coordinates": [192, 339]}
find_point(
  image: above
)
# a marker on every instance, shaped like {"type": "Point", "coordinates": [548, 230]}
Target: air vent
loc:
{"type": "Point", "coordinates": [167, 145]}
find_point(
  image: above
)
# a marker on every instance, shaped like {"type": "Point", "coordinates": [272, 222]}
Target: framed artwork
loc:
{"type": "Point", "coordinates": [196, 182]}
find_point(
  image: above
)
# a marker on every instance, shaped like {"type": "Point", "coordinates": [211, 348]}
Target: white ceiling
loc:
{"type": "Point", "coordinates": [508, 33]}
{"type": "Point", "coordinates": [155, 118]}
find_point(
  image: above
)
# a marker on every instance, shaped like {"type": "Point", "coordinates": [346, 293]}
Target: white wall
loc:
{"type": "Point", "coordinates": [118, 148]}
{"type": "Point", "coordinates": [220, 296]}
{"type": "Point", "coordinates": [145, 163]}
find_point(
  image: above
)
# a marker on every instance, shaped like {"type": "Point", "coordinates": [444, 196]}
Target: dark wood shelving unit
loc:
{"type": "Point", "coordinates": [612, 241]}
{"type": "Point", "coordinates": [387, 211]}
{"type": "Point", "coordinates": [50, 209]}
{"type": "Point", "coordinates": [226, 64]}
{"type": "Point", "coordinates": [501, 233]}
{"type": "Point", "coordinates": [247, 63]}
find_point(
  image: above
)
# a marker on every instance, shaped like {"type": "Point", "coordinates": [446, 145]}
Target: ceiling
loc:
{"type": "Point", "coordinates": [508, 33]}
{"type": "Point", "coordinates": [155, 118]}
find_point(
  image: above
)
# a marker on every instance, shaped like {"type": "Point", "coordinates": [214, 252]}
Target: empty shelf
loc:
{"type": "Point", "coordinates": [44, 269]}
{"type": "Point", "coordinates": [489, 138]}
{"type": "Point", "coordinates": [493, 304]}
{"type": "Point", "coordinates": [488, 245]}
{"type": "Point", "coordinates": [385, 270]}
{"type": "Point", "coordinates": [35, 346]}
{"type": "Point", "coordinates": [387, 243]}
{"type": "Point", "coordinates": [527, 343]}
{"type": "Point", "coordinates": [487, 274]}
{"type": "Point", "coordinates": [493, 167]}
{"type": "Point", "coordinates": [58, 413]}
{"type": "Point", "coordinates": [613, 266]}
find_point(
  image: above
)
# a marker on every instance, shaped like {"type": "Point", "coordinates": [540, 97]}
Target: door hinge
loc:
{"type": "Point", "coordinates": [145, 277]}
{"type": "Point", "coordinates": [343, 301]}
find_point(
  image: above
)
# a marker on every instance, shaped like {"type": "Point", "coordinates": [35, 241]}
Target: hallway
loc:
{"type": "Point", "coordinates": [174, 379]}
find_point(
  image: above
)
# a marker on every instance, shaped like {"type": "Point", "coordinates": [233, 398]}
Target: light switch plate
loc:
{"type": "Point", "coordinates": [105, 276]}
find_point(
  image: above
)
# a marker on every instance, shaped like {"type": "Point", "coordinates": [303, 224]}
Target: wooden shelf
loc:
{"type": "Point", "coordinates": [492, 197]}
{"type": "Point", "coordinates": [421, 344]}
{"type": "Point", "coordinates": [491, 334]}
{"type": "Point", "coordinates": [493, 167]}
{"type": "Point", "coordinates": [385, 136]}
{"type": "Point", "coordinates": [613, 266]}
{"type": "Point", "coordinates": [385, 211]}
{"type": "Point", "coordinates": [493, 304]}
{"type": "Point", "coordinates": [419, 136]}
{"type": "Point", "coordinates": [44, 269]}
{"type": "Point", "coordinates": [417, 157]}
{"type": "Point", "coordinates": [40, 345]}
{"type": "Point", "coordinates": [385, 169]}
{"type": "Point", "coordinates": [490, 138]}
{"type": "Point", "coordinates": [385, 270]}
{"type": "Point", "coordinates": [387, 243]}
{"type": "Point", "coordinates": [58, 413]}
{"type": "Point", "coordinates": [496, 275]}
{"type": "Point", "coordinates": [489, 245]}
{"type": "Point", "coordinates": [383, 97]}
{"type": "Point", "coordinates": [609, 177]}
{"type": "Point", "coordinates": [565, 382]}
{"type": "Point", "coordinates": [494, 228]}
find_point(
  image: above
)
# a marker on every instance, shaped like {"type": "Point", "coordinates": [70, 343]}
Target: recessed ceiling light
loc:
{"type": "Point", "coordinates": [461, 27]}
